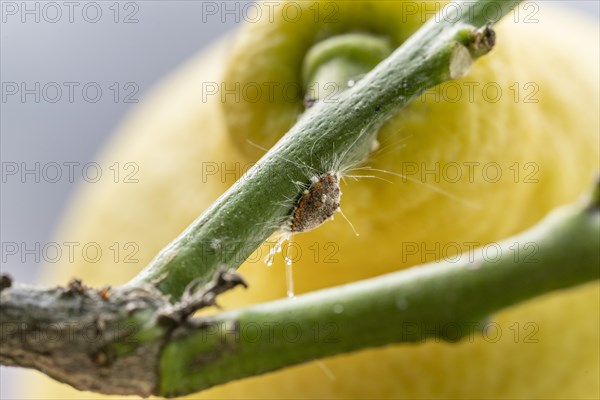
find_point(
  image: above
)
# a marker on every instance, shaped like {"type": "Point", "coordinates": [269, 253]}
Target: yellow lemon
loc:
{"type": "Point", "coordinates": [465, 165]}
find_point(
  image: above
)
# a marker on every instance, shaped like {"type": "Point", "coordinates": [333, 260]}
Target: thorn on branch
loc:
{"type": "Point", "coordinates": [194, 299]}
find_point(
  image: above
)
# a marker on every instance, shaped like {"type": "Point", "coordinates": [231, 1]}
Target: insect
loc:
{"type": "Point", "coordinates": [317, 204]}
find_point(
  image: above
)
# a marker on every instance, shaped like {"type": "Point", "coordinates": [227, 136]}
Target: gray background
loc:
{"type": "Point", "coordinates": [166, 34]}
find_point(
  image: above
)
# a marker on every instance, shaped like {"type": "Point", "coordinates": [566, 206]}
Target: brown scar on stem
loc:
{"type": "Point", "coordinates": [318, 203]}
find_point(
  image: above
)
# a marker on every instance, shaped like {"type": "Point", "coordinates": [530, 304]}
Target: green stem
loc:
{"type": "Point", "coordinates": [146, 345]}
{"type": "Point", "coordinates": [333, 65]}
{"type": "Point", "coordinates": [446, 300]}
{"type": "Point", "coordinates": [255, 206]}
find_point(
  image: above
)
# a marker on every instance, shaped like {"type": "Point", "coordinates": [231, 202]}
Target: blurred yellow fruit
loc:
{"type": "Point", "coordinates": [483, 158]}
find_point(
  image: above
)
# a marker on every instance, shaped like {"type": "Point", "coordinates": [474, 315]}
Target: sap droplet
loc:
{"type": "Point", "coordinates": [270, 258]}
{"type": "Point", "coordinates": [289, 279]}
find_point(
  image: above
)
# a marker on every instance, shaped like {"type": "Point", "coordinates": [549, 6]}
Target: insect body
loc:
{"type": "Point", "coordinates": [318, 203]}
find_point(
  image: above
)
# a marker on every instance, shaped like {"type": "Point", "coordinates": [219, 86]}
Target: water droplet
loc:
{"type": "Point", "coordinates": [270, 258]}
{"type": "Point", "coordinates": [338, 309]}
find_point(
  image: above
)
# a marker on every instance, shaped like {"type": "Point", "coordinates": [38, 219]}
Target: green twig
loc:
{"type": "Point", "coordinates": [335, 64]}
{"type": "Point", "coordinates": [146, 345]}
{"type": "Point", "coordinates": [448, 300]}
{"type": "Point", "coordinates": [330, 135]}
